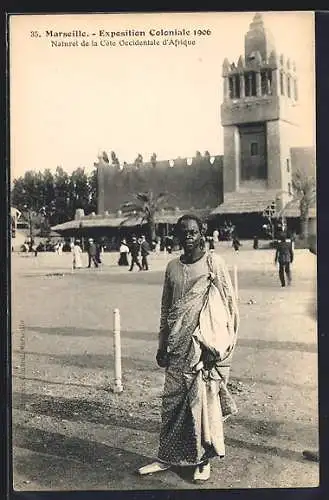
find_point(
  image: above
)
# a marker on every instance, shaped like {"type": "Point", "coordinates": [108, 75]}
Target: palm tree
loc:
{"type": "Point", "coordinates": [304, 188]}
{"type": "Point", "coordinates": [146, 206]}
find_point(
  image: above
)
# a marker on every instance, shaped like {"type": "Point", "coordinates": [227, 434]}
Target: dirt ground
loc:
{"type": "Point", "coordinates": [71, 432]}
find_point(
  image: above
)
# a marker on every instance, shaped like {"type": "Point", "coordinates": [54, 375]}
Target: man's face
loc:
{"type": "Point", "coordinates": [189, 235]}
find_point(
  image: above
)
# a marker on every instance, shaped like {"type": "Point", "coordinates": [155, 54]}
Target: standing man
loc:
{"type": "Point", "coordinates": [284, 255]}
{"type": "Point", "coordinates": [195, 348]}
{"type": "Point", "coordinates": [92, 253]}
{"type": "Point", "coordinates": [236, 244]}
{"type": "Point", "coordinates": [134, 250]}
{"type": "Point", "coordinates": [145, 250]}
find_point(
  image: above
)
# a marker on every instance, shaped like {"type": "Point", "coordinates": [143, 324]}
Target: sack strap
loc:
{"type": "Point", "coordinates": [211, 266]}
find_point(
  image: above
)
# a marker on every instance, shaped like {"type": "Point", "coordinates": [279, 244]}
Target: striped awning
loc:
{"type": "Point", "coordinates": [246, 202]}
{"type": "Point", "coordinates": [86, 223]}
{"type": "Point", "coordinates": [98, 221]}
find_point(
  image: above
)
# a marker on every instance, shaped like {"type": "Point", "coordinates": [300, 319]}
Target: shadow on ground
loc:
{"type": "Point", "coordinates": [77, 410]}
{"type": "Point", "coordinates": [92, 361]}
{"type": "Point", "coordinates": [76, 461]}
{"type": "Point", "coordinates": [93, 465]}
{"type": "Point", "coordinates": [73, 331]}
{"type": "Point", "coordinates": [248, 279]}
{"type": "Point", "coordinates": [277, 345]}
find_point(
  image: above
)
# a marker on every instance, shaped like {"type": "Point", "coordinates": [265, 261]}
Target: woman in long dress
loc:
{"type": "Point", "coordinates": [198, 330]}
{"type": "Point", "coordinates": [77, 254]}
{"type": "Point", "coordinates": [124, 251]}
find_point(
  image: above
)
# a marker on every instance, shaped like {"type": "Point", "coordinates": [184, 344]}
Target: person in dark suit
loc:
{"type": "Point", "coordinates": [92, 253]}
{"type": "Point", "coordinates": [256, 243]}
{"type": "Point", "coordinates": [145, 250]}
{"type": "Point", "coordinates": [284, 255]}
{"type": "Point", "coordinates": [134, 251]}
{"type": "Point", "coordinates": [98, 253]}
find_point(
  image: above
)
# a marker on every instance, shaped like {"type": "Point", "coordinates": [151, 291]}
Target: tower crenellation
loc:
{"type": "Point", "coordinates": [259, 72]}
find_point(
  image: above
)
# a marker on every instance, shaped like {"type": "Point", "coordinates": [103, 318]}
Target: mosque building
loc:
{"type": "Point", "coordinates": [252, 180]}
{"type": "Point", "coordinates": [258, 115]}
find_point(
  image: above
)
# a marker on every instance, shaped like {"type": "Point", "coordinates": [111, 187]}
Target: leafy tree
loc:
{"type": "Point", "coordinates": [48, 188]}
{"type": "Point", "coordinates": [33, 195]}
{"type": "Point", "coordinates": [304, 195]}
{"type": "Point", "coordinates": [78, 191]}
{"type": "Point", "coordinates": [27, 191]}
{"type": "Point", "coordinates": [92, 191]}
{"type": "Point", "coordinates": [46, 199]}
{"type": "Point", "coordinates": [146, 205]}
{"type": "Point", "coordinates": [62, 196]}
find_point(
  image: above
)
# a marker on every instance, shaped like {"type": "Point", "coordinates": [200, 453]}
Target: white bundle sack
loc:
{"type": "Point", "coordinates": [216, 331]}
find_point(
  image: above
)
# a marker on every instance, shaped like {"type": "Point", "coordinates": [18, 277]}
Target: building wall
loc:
{"type": "Point", "coordinates": [199, 185]}
{"type": "Point", "coordinates": [304, 160]}
{"type": "Point", "coordinates": [253, 166]}
{"type": "Point", "coordinates": [287, 133]}
{"type": "Point", "coordinates": [273, 155]}
{"type": "Point", "coordinates": [250, 109]}
{"type": "Point", "coordinates": [231, 158]}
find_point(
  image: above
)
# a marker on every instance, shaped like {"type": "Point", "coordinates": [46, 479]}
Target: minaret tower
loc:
{"type": "Point", "coordinates": [258, 116]}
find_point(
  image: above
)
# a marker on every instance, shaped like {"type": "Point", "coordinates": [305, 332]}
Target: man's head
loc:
{"type": "Point", "coordinates": [189, 229]}
{"type": "Point", "coordinates": [91, 240]}
{"type": "Point", "coordinates": [143, 237]}
{"type": "Point", "coordinates": [134, 239]}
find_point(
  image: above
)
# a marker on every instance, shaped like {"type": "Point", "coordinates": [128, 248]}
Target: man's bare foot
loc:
{"type": "Point", "coordinates": [153, 468]}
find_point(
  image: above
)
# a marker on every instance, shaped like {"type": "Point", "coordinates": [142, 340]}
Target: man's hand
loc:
{"type": "Point", "coordinates": [209, 360]}
{"type": "Point", "coordinates": [162, 358]}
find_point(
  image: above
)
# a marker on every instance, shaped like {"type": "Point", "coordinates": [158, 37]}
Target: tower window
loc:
{"type": "Point", "coordinates": [295, 90]}
{"type": "Point", "coordinates": [269, 82]}
{"type": "Point", "coordinates": [281, 84]}
{"type": "Point", "coordinates": [289, 188]}
{"type": "Point", "coordinates": [237, 86]}
{"type": "Point", "coordinates": [250, 83]}
{"type": "Point", "coordinates": [254, 149]}
{"type": "Point", "coordinates": [266, 81]}
{"type": "Point", "coordinates": [288, 165]}
{"type": "Point", "coordinates": [230, 82]}
{"type": "Point", "coordinates": [246, 84]}
{"type": "Point", "coordinates": [234, 86]}
{"type": "Point", "coordinates": [288, 86]}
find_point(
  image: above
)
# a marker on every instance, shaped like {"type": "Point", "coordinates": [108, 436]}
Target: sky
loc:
{"type": "Point", "coordinates": [67, 104]}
